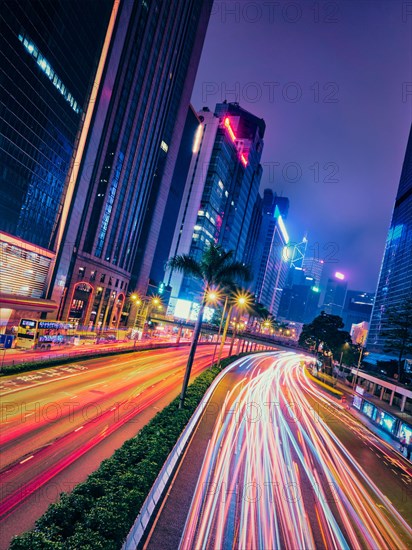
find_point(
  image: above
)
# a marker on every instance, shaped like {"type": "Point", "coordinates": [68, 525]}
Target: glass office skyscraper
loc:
{"type": "Point", "coordinates": [395, 279]}
{"type": "Point", "coordinates": [49, 53]}
{"type": "Point", "coordinates": [221, 186]}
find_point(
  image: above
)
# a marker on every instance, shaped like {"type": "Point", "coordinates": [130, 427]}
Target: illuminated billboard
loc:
{"type": "Point", "coordinates": [185, 309]}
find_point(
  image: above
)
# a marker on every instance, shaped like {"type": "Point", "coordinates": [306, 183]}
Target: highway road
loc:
{"type": "Point", "coordinates": [285, 467]}
{"type": "Point", "coordinates": [58, 423]}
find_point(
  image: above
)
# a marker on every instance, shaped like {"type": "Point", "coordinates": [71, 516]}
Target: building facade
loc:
{"type": "Point", "coordinates": [395, 279]}
{"type": "Point", "coordinates": [124, 175]}
{"type": "Point", "coordinates": [271, 258]}
{"type": "Point", "coordinates": [358, 308]}
{"type": "Point", "coordinates": [49, 53]}
{"type": "Point", "coordinates": [223, 180]}
{"type": "Point", "coordinates": [313, 267]}
{"type": "Point", "coordinates": [335, 295]}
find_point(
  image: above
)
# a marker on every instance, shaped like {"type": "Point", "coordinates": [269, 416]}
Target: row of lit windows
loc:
{"type": "Point", "coordinates": [48, 70]}
{"type": "Point", "coordinates": [93, 276]}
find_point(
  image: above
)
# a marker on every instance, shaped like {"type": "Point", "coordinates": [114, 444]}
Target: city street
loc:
{"type": "Point", "coordinates": [285, 466]}
{"type": "Point", "coordinates": [59, 423]}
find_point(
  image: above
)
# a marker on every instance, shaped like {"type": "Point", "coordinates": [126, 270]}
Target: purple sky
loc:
{"type": "Point", "coordinates": [328, 78]}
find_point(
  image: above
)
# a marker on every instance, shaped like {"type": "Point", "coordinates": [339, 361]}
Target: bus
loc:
{"type": "Point", "coordinates": [43, 334]}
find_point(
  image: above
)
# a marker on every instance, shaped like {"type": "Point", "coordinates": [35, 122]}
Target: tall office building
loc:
{"type": "Point", "coordinates": [299, 302]}
{"type": "Point", "coordinates": [253, 233]}
{"type": "Point", "coordinates": [335, 295]}
{"type": "Point", "coordinates": [313, 267]}
{"type": "Point", "coordinates": [49, 55]}
{"type": "Point", "coordinates": [270, 262]}
{"type": "Point", "coordinates": [358, 308]}
{"type": "Point", "coordinates": [395, 279]}
{"type": "Point", "coordinates": [122, 181]}
{"type": "Point", "coordinates": [222, 182]}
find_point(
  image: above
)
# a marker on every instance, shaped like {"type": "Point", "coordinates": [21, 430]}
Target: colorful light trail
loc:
{"type": "Point", "coordinates": [275, 475]}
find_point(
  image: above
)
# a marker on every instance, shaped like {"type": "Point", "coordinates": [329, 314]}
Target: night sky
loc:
{"type": "Point", "coordinates": [331, 81]}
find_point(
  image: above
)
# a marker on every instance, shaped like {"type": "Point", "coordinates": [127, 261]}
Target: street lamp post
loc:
{"type": "Point", "coordinates": [358, 366]}
{"type": "Point", "coordinates": [220, 327]}
{"type": "Point", "coordinates": [241, 302]}
{"type": "Point", "coordinates": [143, 309]}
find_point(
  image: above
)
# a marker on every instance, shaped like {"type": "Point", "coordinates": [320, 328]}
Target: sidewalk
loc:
{"type": "Point", "coordinates": [389, 438]}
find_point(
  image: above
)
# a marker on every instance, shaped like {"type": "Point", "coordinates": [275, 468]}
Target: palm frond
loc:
{"type": "Point", "coordinates": [187, 265]}
{"type": "Point", "coordinates": [233, 271]}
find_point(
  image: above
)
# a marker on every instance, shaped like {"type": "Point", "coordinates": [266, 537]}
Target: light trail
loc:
{"type": "Point", "coordinates": [38, 446]}
{"type": "Point", "coordinates": [275, 475]}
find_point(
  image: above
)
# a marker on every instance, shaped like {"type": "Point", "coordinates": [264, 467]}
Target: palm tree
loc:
{"type": "Point", "coordinates": [215, 269]}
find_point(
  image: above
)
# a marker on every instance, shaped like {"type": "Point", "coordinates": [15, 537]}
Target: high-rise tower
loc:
{"type": "Point", "coordinates": [221, 187]}
{"type": "Point", "coordinates": [124, 175]}
{"type": "Point", "coordinates": [395, 279]}
{"type": "Point", "coordinates": [49, 58]}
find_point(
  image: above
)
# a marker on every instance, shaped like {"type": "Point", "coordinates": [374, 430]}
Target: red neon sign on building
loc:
{"type": "Point", "coordinates": [233, 137]}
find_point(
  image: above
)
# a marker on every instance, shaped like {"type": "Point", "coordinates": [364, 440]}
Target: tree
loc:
{"type": "Point", "coordinates": [258, 314]}
{"type": "Point", "coordinates": [325, 330]}
{"type": "Point", "coordinates": [397, 331]}
{"type": "Point", "coordinates": [215, 269]}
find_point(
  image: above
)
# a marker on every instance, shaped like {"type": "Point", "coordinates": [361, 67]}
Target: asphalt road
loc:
{"type": "Point", "coordinates": [57, 424]}
{"type": "Point", "coordinates": [276, 463]}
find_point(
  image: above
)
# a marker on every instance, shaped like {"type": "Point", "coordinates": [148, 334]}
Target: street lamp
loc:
{"type": "Point", "coordinates": [143, 309]}
{"type": "Point", "coordinates": [241, 301]}
{"type": "Point", "coordinates": [358, 367]}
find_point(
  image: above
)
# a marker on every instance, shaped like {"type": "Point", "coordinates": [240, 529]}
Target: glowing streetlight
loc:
{"type": "Point", "coordinates": [241, 301]}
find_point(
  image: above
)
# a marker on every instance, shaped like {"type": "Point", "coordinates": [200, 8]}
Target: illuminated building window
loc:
{"type": "Point", "coordinates": [48, 70]}
{"type": "Point", "coordinates": [164, 146]}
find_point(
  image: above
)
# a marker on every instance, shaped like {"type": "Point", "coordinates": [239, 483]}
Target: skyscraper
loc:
{"type": "Point", "coordinates": [358, 308]}
{"type": "Point", "coordinates": [395, 279]}
{"type": "Point", "coordinates": [123, 178]}
{"type": "Point", "coordinates": [335, 295]}
{"type": "Point", "coordinates": [313, 267]}
{"type": "Point", "coordinates": [174, 200]}
{"type": "Point", "coordinates": [270, 262]}
{"type": "Point", "coordinates": [222, 182]}
{"type": "Point", "coordinates": [49, 52]}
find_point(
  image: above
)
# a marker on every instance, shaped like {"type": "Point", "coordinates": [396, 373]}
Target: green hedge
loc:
{"type": "Point", "coordinates": [99, 513]}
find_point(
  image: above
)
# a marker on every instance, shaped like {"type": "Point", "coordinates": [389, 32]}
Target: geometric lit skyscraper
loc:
{"type": "Point", "coordinates": [395, 279]}
{"type": "Point", "coordinates": [297, 253]}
